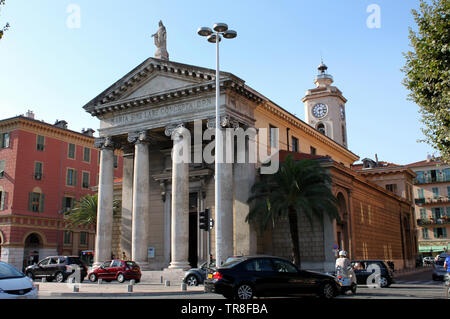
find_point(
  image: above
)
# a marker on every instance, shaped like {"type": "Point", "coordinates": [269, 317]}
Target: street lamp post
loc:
{"type": "Point", "coordinates": [220, 30]}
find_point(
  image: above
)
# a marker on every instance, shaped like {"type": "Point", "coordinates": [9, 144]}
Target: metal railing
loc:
{"type": "Point", "coordinates": [432, 200]}
{"type": "Point", "coordinates": [433, 221]}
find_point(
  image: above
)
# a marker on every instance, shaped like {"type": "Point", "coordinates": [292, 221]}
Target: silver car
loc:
{"type": "Point", "coordinates": [14, 284]}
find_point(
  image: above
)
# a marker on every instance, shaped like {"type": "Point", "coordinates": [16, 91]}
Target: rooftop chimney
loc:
{"type": "Point", "coordinates": [30, 114]}
{"type": "Point", "coordinates": [88, 131]}
{"type": "Point", "coordinates": [61, 124]}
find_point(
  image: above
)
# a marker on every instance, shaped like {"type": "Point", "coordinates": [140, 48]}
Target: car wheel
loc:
{"type": "Point", "coordinates": [30, 275]}
{"type": "Point", "coordinates": [59, 277]}
{"type": "Point", "coordinates": [327, 291]}
{"type": "Point", "coordinates": [192, 280]}
{"type": "Point", "coordinates": [244, 291]}
{"type": "Point", "coordinates": [92, 277]}
{"type": "Point", "coordinates": [120, 278]}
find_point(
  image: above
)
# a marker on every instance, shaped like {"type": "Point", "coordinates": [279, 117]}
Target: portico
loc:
{"type": "Point", "coordinates": [145, 114]}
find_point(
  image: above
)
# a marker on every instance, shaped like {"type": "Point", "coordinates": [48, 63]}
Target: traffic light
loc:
{"type": "Point", "coordinates": [204, 220]}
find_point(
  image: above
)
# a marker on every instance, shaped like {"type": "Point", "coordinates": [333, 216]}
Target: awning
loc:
{"type": "Point", "coordinates": [426, 249]}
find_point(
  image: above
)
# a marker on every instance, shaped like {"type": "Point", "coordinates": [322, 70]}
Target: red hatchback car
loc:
{"type": "Point", "coordinates": [116, 269]}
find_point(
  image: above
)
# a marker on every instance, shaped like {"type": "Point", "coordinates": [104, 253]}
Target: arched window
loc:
{"type": "Point", "coordinates": [321, 128]}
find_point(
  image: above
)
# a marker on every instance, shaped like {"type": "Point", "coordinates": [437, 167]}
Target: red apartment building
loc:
{"type": "Point", "coordinates": [44, 169]}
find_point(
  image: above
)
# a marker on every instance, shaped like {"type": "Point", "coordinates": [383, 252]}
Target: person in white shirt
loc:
{"type": "Point", "coordinates": [344, 263]}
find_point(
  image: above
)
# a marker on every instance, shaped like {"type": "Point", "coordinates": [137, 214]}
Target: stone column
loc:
{"type": "Point", "coordinates": [226, 205]}
{"type": "Point", "coordinates": [127, 200]}
{"type": "Point", "coordinates": [105, 201]}
{"type": "Point", "coordinates": [167, 226]}
{"type": "Point", "coordinates": [224, 215]}
{"type": "Point", "coordinates": [141, 199]}
{"type": "Point", "coordinates": [244, 173]}
{"type": "Point", "coordinates": [180, 198]}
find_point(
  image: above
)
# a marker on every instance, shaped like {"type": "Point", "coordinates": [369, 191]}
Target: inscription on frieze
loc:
{"type": "Point", "coordinates": [161, 112]}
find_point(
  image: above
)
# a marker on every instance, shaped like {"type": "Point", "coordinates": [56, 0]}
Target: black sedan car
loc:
{"type": "Point", "coordinates": [58, 268]}
{"type": "Point", "coordinates": [267, 276]}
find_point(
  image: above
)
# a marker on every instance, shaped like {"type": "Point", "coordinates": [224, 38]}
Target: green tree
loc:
{"type": "Point", "coordinates": [427, 74]}
{"type": "Point", "coordinates": [84, 212]}
{"type": "Point", "coordinates": [6, 27]}
{"type": "Point", "coordinates": [299, 187]}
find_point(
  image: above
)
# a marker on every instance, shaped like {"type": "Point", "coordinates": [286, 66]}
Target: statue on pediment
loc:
{"type": "Point", "coordinates": [160, 38]}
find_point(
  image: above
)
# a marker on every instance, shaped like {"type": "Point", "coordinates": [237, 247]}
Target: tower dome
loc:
{"type": "Point", "coordinates": [323, 78]}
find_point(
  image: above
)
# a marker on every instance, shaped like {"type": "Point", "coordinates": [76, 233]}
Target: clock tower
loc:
{"type": "Point", "coordinates": [325, 107]}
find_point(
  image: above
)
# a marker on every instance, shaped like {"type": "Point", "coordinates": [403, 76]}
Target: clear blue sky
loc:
{"type": "Point", "coordinates": [54, 70]}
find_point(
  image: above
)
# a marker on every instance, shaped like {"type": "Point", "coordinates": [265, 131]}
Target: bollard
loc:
{"type": "Point", "coordinates": [100, 281]}
{"type": "Point", "coordinates": [167, 283]}
{"type": "Point", "coordinates": [162, 280]}
{"type": "Point", "coordinates": [130, 288]}
{"type": "Point", "coordinates": [76, 288]}
{"type": "Point", "coordinates": [132, 282]}
{"type": "Point", "coordinates": [183, 286]}
{"type": "Point", "coordinates": [37, 287]}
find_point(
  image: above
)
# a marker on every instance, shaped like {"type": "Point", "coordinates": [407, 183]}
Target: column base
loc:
{"type": "Point", "coordinates": [183, 265]}
{"type": "Point", "coordinates": [143, 265]}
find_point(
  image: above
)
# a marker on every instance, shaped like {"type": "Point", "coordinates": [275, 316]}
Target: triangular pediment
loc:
{"type": "Point", "coordinates": [158, 83]}
{"type": "Point", "coordinates": [151, 77]}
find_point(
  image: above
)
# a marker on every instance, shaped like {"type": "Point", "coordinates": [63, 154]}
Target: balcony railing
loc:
{"type": "Point", "coordinates": [432, 179]}
{"type": "Point", "coordinates": [432, 201]}
{"type": "Point", "coordinates": [433, 221]}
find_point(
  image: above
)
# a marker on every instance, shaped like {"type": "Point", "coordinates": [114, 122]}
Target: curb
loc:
{"type": "Point", "coordinates": [411, 271]}
{"type": "Point", "coordinates": [118, 294]}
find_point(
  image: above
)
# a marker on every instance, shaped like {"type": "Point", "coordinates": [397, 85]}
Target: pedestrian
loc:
{"type": "Point", "coordinates": [447, 267]}
{"type": "Point", "coordinates": [124, 256]}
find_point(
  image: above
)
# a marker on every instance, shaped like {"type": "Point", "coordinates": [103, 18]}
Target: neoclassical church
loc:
{"type": "Point", "coordinates": [142, 113]}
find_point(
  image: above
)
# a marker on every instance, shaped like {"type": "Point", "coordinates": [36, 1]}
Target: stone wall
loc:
{"type": "Point", "coordinates": [277, 241]}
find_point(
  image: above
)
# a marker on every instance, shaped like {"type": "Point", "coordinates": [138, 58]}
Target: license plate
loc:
{"type": "Point", "coordinates": [346, 282]}
{"type": "Point", "coordinates": [209, 276]}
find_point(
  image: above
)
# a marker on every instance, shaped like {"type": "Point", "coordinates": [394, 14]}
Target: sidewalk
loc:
{"type": "Point", "coordinates": [410, 271]}
{"type": "Point", "coordinates": [113, 289]}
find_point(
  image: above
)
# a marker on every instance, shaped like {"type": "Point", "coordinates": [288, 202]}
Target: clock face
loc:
{"type": "Point", "coordinates": [342, 112]}
{"type": "Point", "coordinates": [320, 110]}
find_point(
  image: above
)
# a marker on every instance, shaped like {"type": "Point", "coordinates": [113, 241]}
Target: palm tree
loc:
{"type": "Point", "coordinates": [299, 187]}
{"type": "Point", "coordinates": [84, 212]}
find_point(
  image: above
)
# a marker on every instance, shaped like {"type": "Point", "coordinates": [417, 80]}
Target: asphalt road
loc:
{"type": "Point", "coordinates": [414, 286]}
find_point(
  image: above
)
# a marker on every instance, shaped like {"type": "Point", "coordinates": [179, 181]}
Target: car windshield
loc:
{"type": "Point", "coordinates": [74, 261]}
{"type": "Point", "coordinates": [131, 264]}
{"type": "Point", "coordinates": [7, 271]}
{"type": "Point", "coordinates": [440, 262]}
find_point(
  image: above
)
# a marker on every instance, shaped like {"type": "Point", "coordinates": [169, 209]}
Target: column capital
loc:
{"type": "Point", "coordinates": [226, 121]}
{"type": "Point", "coordinates": [105, 143]}
{"type": "Point", "coordinates": [175, 129]}
{"type": "Point", "coordinates": [138, 137]}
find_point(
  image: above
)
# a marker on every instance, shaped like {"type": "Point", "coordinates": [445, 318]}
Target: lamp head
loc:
{"type": "Point", "coordinates": [220, 27]}
{"type": "Point", "coordinates": [204, 31]}
{"type": "Point", "coordinates": [212, 38]}
{"type": "Point", "coordinates": [230, 34]}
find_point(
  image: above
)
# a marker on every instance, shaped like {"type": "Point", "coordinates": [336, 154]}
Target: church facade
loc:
{"type": "Point", "coordinates": [144, 115]}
